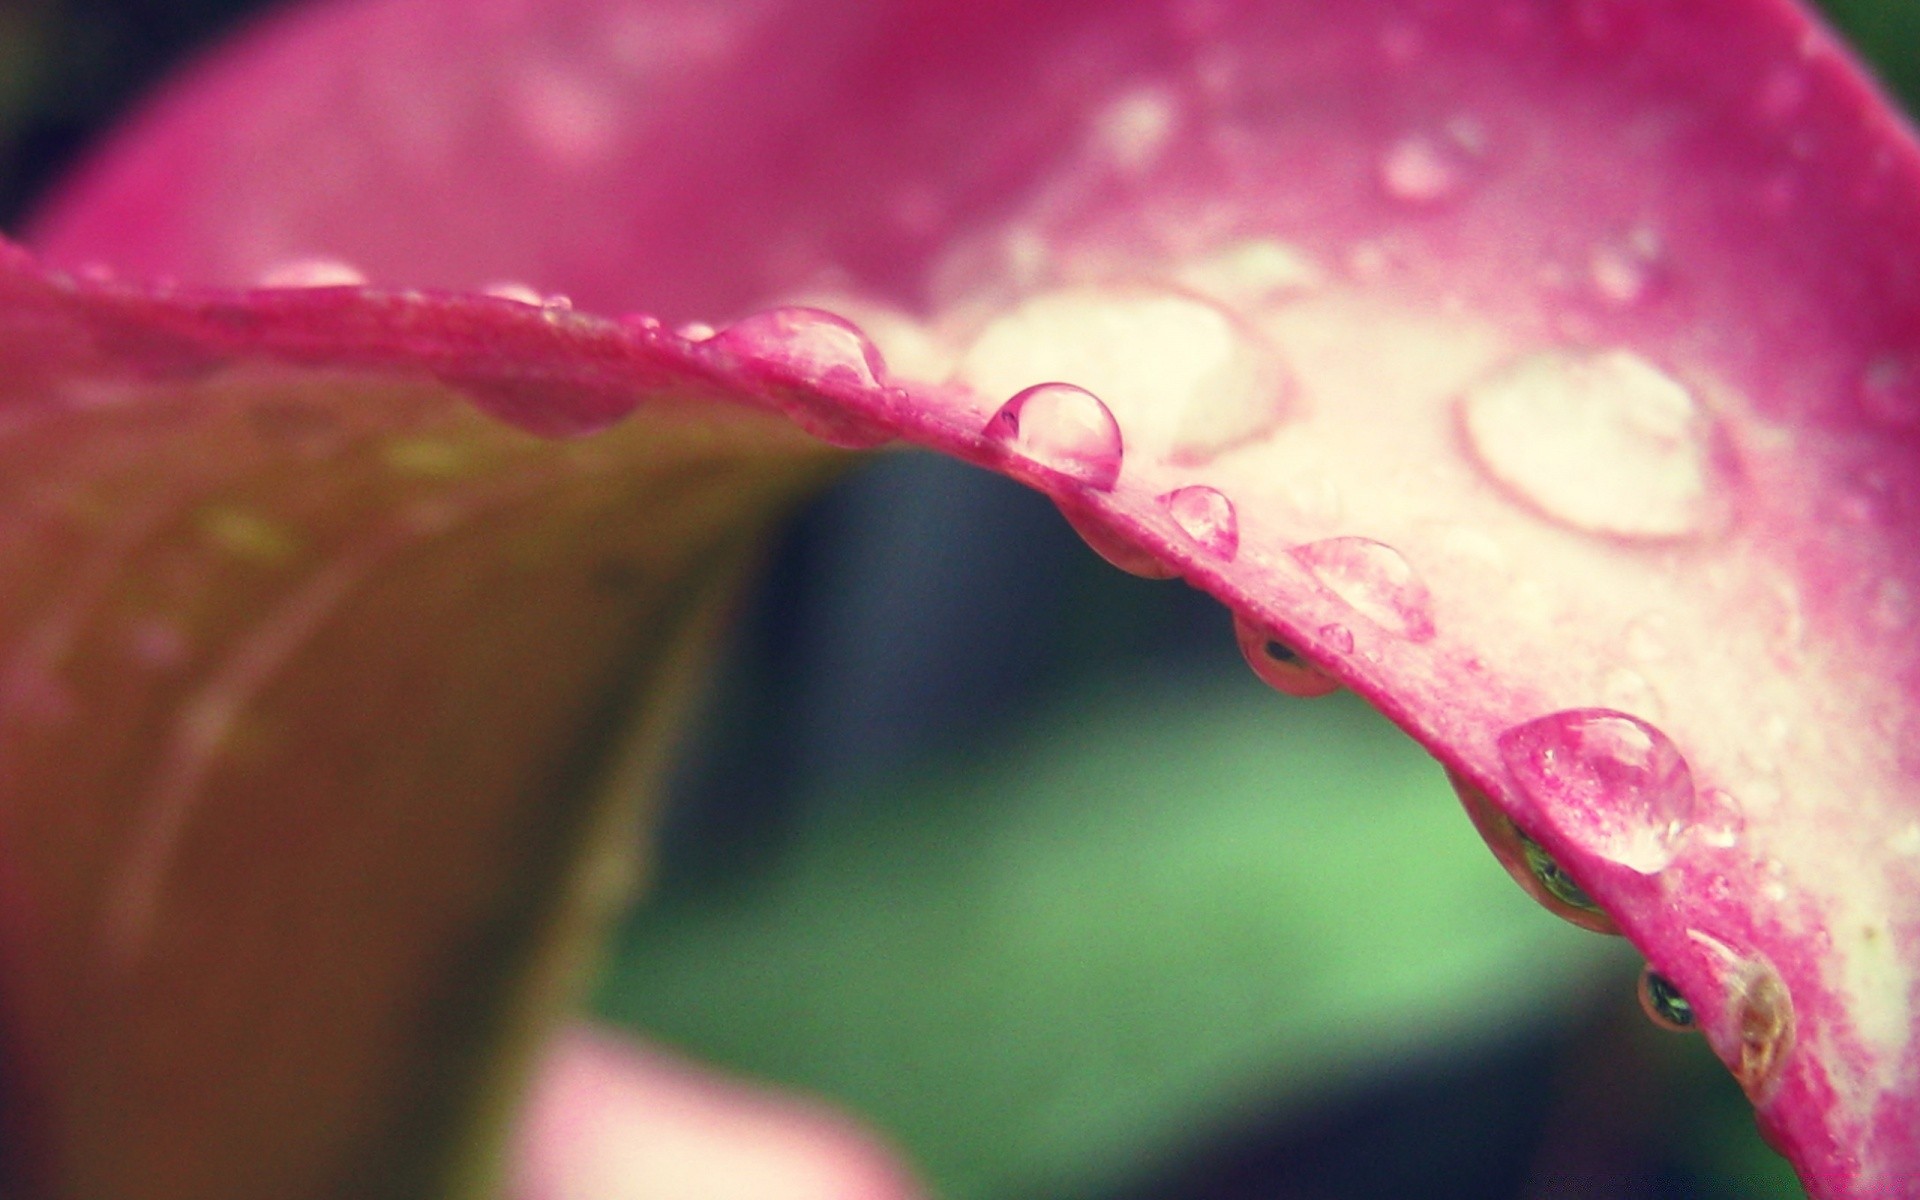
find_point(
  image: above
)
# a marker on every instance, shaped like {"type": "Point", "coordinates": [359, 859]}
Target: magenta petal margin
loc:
{"type": "Point", "coordinates": [1548, 372]}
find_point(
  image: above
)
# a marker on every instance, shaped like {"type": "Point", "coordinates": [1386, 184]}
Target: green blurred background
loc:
{"type": "Point", "coordinates": [1008, 853]}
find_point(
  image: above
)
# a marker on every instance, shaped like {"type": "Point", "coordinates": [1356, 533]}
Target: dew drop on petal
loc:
{"type": "Point", "coordinates": [1063, 428]}
{"type": "Point", "coordinates": [1375, 580]}
{"type": "Point", "coordinates": [1279, 665]}
{"type": "Point", "coordinates": [1607, 782]}
{"type": "Point", "coordinates": [1606, 443]}
{"type": "Point", "coordinates": [1762, 1019]}
{"type": "Point", "coordinates": [312, 273]}
{"type": "Point", "coordinates": [1207, 516]}
{"type": "Point", "coordinates": [816, 347]}
{"type": "Point", "coordinates": [1188, 378]}
{"type": "Point", "coordinates": [1889, 391]}
{"type": "Point", "coordinates": [694, 331]}
{"type": "Point", "coordinates": [1110, 543]}
{"type": "Point", "coordinates": [519, 293]}
{"type": "Point", "coordinates": [1339, 637]}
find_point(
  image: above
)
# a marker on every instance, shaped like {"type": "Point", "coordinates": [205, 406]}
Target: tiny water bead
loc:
{"type": "Point", "coordinates": [1603, 442]}
{"type": "Point", "coordinates": [1607, 782]}
{"type": "Point", "coordinates": [1189, 378]}
{"type": "Point", "coordinates": [1375, 580]}
{"type": "Point", "coordinates": [1664, 1004]}
{"type": "Point", "coordinates": [1115, 546]}
{"type": "Point", "coordinates": [1762, 1012]}
{"type": "Point", "coordinates": [1552, 876]}
{"type": "Point", "coordinates": [1207, 516]}
{"type": "Point", "coordinates": [1065, 429]}
{"type": "Point", "coordinates": [1279, 665]}
{"type": "Point", "coordinates": [815, 347]}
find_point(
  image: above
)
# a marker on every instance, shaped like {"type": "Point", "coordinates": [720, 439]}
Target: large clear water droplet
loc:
{"type": "Point", "coordinates": [814, 347]}
{"type": "Point", "coordinates": [1375, 580]}
{"type": "Point", "coordinates": [1188, 378]}
{"type": "Point", "coordinates": [1207, 516]}
{"type": "Point", "coordinates": [1114, 544]}
{"type": "Point", "coordinates": [1606, 443]}
{"type": "Point", "coordinates": [1064, 428]}
{"type": "Point", "coordinates": [1607, 782]}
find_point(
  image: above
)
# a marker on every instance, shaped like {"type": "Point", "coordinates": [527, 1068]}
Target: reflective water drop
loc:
{"type": "Point", "coordinates": [1537, 872]}
{"type": "Point", "coordinates": [1664, 1004]}
{"type": "Point", "coordinates": [1207, 516]}
{"type": "Point", "coordinates": [1889, 391]}
{"type": "Point", "coordinates": [1607, 782]}
{"type": "Point", "coordinates": [815, 347]}
{"type": "Point", "coordinates": [1607, 443]}
{"type": "Point", "coordinates": [1420, 169]}
{"type": "Point", "coordinates": [1117, 547]}
{"type": "Point", "coordinates": [1338, 637]}
{"type": "Point", "coordinates": [1187, 378]}
{"type": "Point", "coordinates": [1719, 820]}
{"type": "Point", "coordinates": [1375, 580]}
{"type": "Point", "coordinates": [1063, 428]}
{"type": "Point", "coordinates": [1278, 664]}
{"type": "Point", "coordinates": [1762, 1012]}
{"type": "Point", "coordinates": [312, 273]}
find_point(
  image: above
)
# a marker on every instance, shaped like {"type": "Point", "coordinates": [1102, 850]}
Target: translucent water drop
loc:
{"type": "Point", "coordinates": [1889, 391]}
{"type": "Point", "coordinates": [1207, 516]}
{"type": "Point", "coordinates": [1188, 378]}
{"type": "Point", "coordinates": [1719, 819]}
{"type": "Point", "coordinates": [816, 347]}
{"type": "Point", "coordinates": [1375, 580]}
{"type": "Point", "coordinates": [1762, 1011]}
{"type": "Point", "coordinates": [1663, 1003]}
{"type": "Point", "coordinates": [312, 273]}
{"type": "Point", "coordinates": [1278, 664]}
{"type": "Point", "coordinates": [1337, 637]}
{"type": "Point", "coordinates": [1064, 428]}
{"type": "Point", "coordinates": [1606, 443]}
{"type": "Point", "coordinates": [1419, 169]}
{"type": "Point", "coordinates": [1605, 781]}
{"type": "Point", "coordinates": [1117, 547]}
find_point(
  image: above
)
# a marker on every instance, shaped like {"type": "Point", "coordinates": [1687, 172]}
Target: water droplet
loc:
{"type": "Point", "coordinates": [1117, 547]}
{"type": "Point", "coordinates": [1278, 664]}
{"type": "Point", "coordinates": [1338, 638]}
{"type": "Point", "coordinates": [1189, 379]}
{"type": "Point", "coordinates": [1889, 391]}
{"type": "Point", "coordinates": [1664, 1004]}
{"type": "Point", "coordinates": [312, 273]}
{"type": "Point", "coordinates": [1063, 428]}
{"type": "Point", "coordinates": [1719, 821]}
{"type": "Point", "coordinates": [1422, 169]}
{"type": "Point", "coordinates": [816, 348]}
{"type": "Point", "coordinates": [1762, 1012]}
{"type": "Point", "coordinates": [694, 331]}
{"type": "Point", "coordinates": [1607, 782]}
{"type": "Point", "coordinates": [1606, 443]}
{"type": "Point", "coordinates": [1537, 872]}
{"type": "Point", "coordinates": [1375, 580]}
{"type": "Point", "coordinates": [1205, 515]}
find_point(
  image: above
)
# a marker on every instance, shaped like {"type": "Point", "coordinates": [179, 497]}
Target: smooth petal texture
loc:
{"type": "Point", "coordinates": [1558, 363]}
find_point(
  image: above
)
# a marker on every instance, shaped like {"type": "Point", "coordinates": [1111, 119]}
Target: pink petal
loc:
{"type": "Point", "coordinates": [1560, 363]}
{"type": "Point", "coordinates": [611, 1120]}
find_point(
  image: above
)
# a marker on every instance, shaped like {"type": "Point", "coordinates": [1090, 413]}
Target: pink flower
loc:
{"type": "Point", "coordinates": [1546, 372]}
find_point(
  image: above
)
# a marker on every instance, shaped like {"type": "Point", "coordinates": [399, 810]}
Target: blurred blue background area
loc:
{"type": "Point", "coordinates": [1009, 853]}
